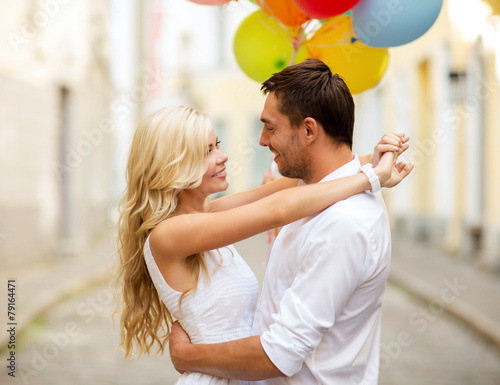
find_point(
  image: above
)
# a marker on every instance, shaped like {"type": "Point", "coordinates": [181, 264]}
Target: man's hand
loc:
{"type": "Point", "coordinates": [390, 142]}
{"type": "Point", "coordinates": [178, 339]}
{"type": "Point", "coordinates": [243, 359]}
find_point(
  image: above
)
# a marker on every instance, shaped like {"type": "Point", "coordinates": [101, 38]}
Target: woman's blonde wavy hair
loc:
{"type": "Point", "coordinates": [167, 156]}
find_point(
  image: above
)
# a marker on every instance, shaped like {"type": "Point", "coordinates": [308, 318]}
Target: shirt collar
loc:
{"type": "Point", "coordinates": [347, 169]}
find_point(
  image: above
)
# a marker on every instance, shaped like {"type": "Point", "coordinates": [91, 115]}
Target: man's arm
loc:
{"type": "Point", "coordinates": [243, 359]}
{"type": "Point", "coordinates": [333, 263]}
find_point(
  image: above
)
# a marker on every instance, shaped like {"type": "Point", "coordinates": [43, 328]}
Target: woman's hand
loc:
{"type": "Point", "coordinates": [389, 172]}
{"type": "Point", "coordinates": [391, 141]}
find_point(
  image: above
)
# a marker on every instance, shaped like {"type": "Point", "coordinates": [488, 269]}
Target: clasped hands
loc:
{"type": "Point", "coordinates": [385, 156]}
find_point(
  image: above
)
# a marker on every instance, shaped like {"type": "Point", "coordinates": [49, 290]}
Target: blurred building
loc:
{"type": "Point", "coordinates": [56, 136]}
{"type": "Point", "coordinates": [77, 76]}
{"type": "Point", "coordinates": [444, 91]}
{"type": "Point", "coordinates": [192, 46]}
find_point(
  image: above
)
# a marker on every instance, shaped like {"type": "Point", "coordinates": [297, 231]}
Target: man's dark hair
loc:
{"type": "Point", "coordinates": [309, 89]}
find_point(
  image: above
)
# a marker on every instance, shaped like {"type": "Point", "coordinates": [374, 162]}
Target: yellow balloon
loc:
{"type": "Point", "coordinates": [360, 66]}
{"type": "Point", "coordinates": [262, 47]}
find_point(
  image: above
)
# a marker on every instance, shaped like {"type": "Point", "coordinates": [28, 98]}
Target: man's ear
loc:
{"type": "Point", "coordinates": [311, 129]}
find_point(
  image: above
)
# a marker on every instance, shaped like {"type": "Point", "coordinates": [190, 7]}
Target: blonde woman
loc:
{"type": "Point", "coordinates": [175, 253]}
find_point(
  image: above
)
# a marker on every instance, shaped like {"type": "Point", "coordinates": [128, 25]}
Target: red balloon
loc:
{"type": "Point", "coordinates": [324, 9]}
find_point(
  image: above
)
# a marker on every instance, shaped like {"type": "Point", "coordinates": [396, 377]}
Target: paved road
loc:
{"type": "Point", "coordinates": [74, 344]}
{"type": "Point", "coordinates": [421, 346]}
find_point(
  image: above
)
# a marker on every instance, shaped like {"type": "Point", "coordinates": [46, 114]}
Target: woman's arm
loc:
{"type": "Point", "coordinates": [364, 159]}
{"type": "Point", "coordinates": [183, 235]}
{"type": "Point", "coordinates": [187, 234]}
{"type": "Point", "coordinates": [245, 197]}
{"type": "Point", "coordinates": [391, 141]}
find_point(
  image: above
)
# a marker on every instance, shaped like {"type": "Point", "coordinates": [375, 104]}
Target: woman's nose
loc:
{"type": "Point", "coordinates": [221, 157]}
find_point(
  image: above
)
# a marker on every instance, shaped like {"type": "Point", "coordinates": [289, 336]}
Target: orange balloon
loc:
{"type": "Point", "coordinates": [335, 44]}
{"type": "Point", "coordinates": [284, 10]}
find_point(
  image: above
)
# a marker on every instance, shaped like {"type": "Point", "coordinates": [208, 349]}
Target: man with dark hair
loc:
{"type": "Point", "coordinates": [318, 319]}
{"type": "Point", "coordinates": [310, 89]}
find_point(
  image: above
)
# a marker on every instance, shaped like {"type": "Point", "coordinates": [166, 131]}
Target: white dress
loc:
{"type": "Point", "coordinates": [221, 309]}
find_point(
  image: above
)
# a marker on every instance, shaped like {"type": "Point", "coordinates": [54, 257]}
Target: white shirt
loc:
{"type": "Point", "coordinates": [319, 312]}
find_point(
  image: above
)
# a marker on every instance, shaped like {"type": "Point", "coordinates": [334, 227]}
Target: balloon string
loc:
{"type": "Point", "coordinates": [271, 29]}
{"type": "Point", "coordinates": [294, 41]}
{"type": "Point", "coordinates": [330, 28]}
{"type": "Point", "coordinates": [292, 58]}
{"type": "Point", "coordinates": [300, 39]}
{"type": "Point", "coordinates": [302, 35]}
{"type": "Point", "coordinates": [270, 12]}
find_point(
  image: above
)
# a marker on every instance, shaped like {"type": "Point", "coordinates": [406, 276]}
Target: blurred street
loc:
{"type": "Point", "coordinates": [74, 342]}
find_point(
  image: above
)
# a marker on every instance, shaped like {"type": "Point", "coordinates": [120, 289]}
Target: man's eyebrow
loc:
{"type": "Point", "coordinates": [265, 120]}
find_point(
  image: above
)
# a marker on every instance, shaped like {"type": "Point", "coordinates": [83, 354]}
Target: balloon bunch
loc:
{"type": "Point", "coordinates": [352, 37]}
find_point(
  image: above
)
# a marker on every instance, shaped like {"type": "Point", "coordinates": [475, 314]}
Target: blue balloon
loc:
{"type": "Point", "coordinates": [390, 23]}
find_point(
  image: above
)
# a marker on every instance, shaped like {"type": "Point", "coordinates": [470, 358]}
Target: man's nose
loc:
{"type": "Point", "coordinates": [263, 139]}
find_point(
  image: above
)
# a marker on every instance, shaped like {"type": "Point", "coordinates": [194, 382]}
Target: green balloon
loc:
{"type": "Point", "coordinates": [262, 47]}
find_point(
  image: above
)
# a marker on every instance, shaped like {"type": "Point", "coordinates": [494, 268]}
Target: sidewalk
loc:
{"type": "Point", "coordinates": [445, 283]}
{"type": "Point", "coordinates": [448, 284]}
{"type": "Point", "coordinates": [40, 287]}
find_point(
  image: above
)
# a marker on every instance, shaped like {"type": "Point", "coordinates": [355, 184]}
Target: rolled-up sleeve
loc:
{"type": "Point", "coordinates": [330, 269]}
